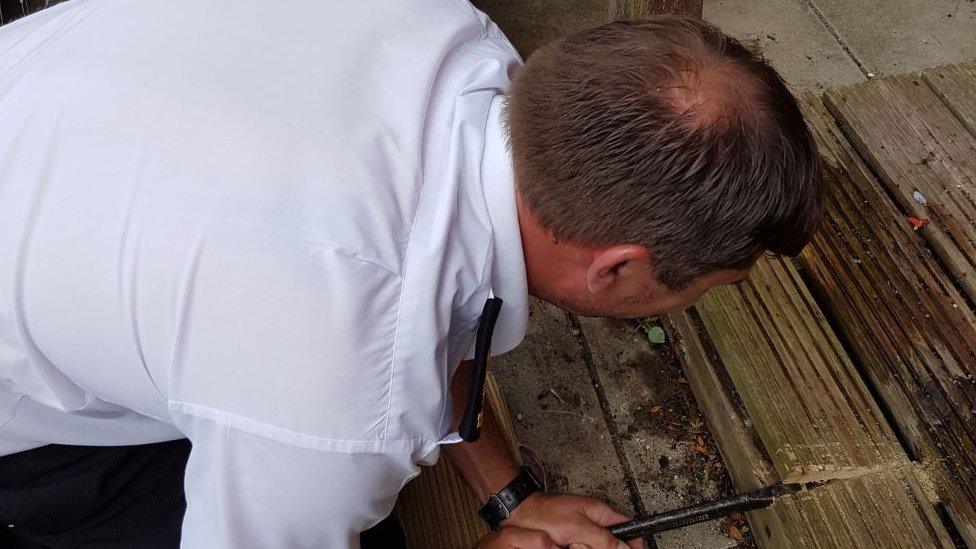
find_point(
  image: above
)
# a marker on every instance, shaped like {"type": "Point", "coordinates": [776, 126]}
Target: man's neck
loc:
{"type": "Point", "coordinates": [548, 262]}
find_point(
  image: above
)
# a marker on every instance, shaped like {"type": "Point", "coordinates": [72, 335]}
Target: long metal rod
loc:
{"type": "Point", "coordinates": [678, 518]}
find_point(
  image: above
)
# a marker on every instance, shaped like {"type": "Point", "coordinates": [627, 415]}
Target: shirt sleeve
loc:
{"type": "Point", "coordinates": [247, 491]}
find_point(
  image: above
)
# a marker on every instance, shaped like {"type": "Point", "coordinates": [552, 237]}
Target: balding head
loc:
{"type": "Point", "coordinates": [713, 94]}
{"type": "Point", "coordinates": [668, 134]}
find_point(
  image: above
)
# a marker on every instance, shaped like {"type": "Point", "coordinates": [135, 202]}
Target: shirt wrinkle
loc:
{"type": "Point", "coordinates": [227, 252]}
{"type": "Point", "coordinates": [231, 420]}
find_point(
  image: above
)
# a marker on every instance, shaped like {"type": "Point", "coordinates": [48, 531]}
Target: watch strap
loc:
{"type": "Point", "coordinates": [501, 504]}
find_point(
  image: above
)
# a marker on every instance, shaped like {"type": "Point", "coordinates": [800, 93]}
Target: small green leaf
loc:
{"type": "Point", "coordinates": [704, 478]}
{"type": "Point", "coordinates": [655, 334]}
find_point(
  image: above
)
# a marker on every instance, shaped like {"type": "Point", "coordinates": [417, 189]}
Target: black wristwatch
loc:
{"type": "Point", "coordinates": [501, 505]}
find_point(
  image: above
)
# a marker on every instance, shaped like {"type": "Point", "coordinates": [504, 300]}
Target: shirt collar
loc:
{"type": "Point", "coordinates": [508, 279]}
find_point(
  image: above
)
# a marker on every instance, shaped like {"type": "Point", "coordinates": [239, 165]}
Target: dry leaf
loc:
{"type": "Point", "coordinates": [734, 532]}
{"type": "Point", "coordinates": [655, 409]}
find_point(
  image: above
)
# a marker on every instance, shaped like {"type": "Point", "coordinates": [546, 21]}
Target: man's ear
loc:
{"type": "Point", "coordinates": [611, 263]}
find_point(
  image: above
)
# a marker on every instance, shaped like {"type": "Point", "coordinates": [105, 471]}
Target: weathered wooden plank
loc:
{"type": "Point", "coordinates": [909, 328]}
{"type": "Point", "coordinates": [736, 438]}
{"type": "Point", "coordinates": [747, 462]}
{"type": "Point", "coordinates": [956, 86]}
{"type": "Point", "coordinates": [532, 24]}
{"type": "Point", "coordinates": [924, 156]}
{"type": "Point", "coordinates": [881, 509]}
{"type": "Point", "coordinates": [641, 9]}
{"type": "Point", "coordinates": [815, 416]}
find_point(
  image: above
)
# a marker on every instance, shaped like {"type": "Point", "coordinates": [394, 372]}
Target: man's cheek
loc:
{"type": "Point", "coordinates": [679, 302]}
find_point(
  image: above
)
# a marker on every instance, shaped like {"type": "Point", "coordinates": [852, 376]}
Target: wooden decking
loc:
{"type": "Point", "coordinates": [853, 366]}
{"type": "Point", "coordinates": [848, 370]}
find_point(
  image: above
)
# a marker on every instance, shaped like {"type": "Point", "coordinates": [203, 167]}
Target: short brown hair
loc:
{"type": "Point", "coordinates": [668, 134]}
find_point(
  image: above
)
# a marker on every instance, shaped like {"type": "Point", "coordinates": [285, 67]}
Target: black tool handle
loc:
{"type": "Point", "coordinates": [470, 428]}
{"type": "Point", "coordinates": [678, 518]}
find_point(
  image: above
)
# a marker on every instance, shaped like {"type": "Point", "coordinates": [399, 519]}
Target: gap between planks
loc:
{"type": "Point", "coordinates": [811, 409]}
{"type": "Point", "coordinates": [910, 327]}
{"type": "Point", "coordinates": [853, 512]}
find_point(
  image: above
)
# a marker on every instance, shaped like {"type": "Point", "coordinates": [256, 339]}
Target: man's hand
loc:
{"type": "Point", "coordinates": [513, 537]}
{"type": "Point", "coordinates": [489, 464]}
{"type": "Point", "coordinates": [571, 521]}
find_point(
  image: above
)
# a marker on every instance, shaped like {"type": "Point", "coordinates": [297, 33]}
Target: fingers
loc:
{"type": "Point", "coordinates": [571, 521]}
{"type": "Point", "coordinates": [591, 535]}
{"type": "Point", "coordinates": [513, 537]}
{"type": "Point", "coordinates": [602, 514]}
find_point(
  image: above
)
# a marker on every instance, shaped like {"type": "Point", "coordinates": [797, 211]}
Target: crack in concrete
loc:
{"type": "Point", "coordinates": [840, 39]}
{"type": "Point", "coordinates": [635, 499]}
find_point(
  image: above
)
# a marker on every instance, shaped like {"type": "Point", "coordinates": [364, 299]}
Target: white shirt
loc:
{"type": "Point", "coordinates": [269, 228]}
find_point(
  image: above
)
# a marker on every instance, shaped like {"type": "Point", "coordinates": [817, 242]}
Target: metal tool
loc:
{"type": "Point", "coordinates": [470, 431]}
{"type": "Point", "coordinates": [685, 516]}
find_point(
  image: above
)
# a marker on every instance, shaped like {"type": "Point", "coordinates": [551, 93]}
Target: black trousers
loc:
{"type": "Point", "coordinates": [131, 497]}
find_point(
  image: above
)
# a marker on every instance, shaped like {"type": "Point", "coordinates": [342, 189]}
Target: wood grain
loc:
{"type": "Point", "coordinates": [915, 143]}
{"type": "Point", "coordinates": [904, 321]}
{"type": "Point", "coordinates": [530, 24]}
{"type": "Point", "coordinates": [736, 437]}
{"type": "Point", "coordinates": [881, 509]}
{"type": "Point", "coordinates": [956, 87]}
{"type": "Point", "coordinates": [816, 418]}
{"type": "Point", "coordinates": [641, 9]}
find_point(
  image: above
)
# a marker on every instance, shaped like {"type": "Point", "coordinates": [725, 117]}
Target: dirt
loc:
{"type": "Point", "coordinates": [693, 457]}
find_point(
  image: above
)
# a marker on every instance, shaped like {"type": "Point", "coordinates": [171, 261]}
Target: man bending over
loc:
{"type": "Point", "coordinates": [244, 248]}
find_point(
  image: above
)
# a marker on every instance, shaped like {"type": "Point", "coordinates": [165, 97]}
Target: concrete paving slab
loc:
{"type": "Point", "coordinates": [664, 438]}
{"type": "Point", "coordinates": [556, 411]}
{"type": "Point", "coordinates": [791, 36]}
{"type": "Point", "coordinates": [897, 36]}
